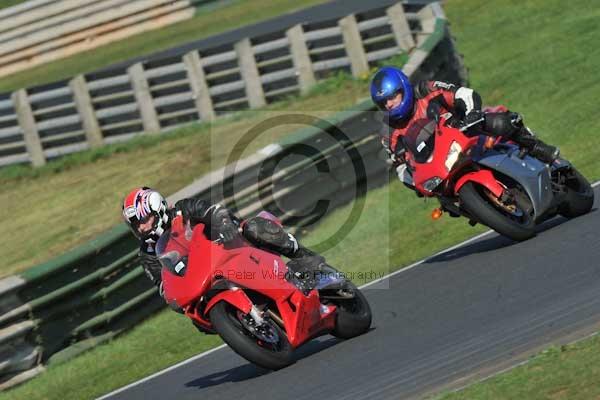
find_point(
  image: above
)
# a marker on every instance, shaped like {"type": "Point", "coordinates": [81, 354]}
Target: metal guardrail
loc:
{"type": "Point", "coordinates": [86, 296]}
{"type": "Point", "coordinates": [38, 124]}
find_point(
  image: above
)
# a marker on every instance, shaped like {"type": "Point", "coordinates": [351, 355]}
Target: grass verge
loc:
{"type": "Point", "coordinates": [567, 372]}
{"type": "Point", "coordinates": [203, 24]}
{"type": "Point", "coordinates": [510, 62]}
{"type": "Point", "coordinates": [10, 3]}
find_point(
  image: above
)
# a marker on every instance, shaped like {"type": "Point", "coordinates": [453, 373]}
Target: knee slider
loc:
{"type": "Point", "coordinates": [250, 229]}
{"type": "Point", "coordinates": [264, 232]}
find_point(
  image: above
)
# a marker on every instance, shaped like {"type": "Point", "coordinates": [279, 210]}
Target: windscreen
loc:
{"type": "Point", "coordinates": [420, 139]}
{"type": "Point", "coordinates": [173, 247]}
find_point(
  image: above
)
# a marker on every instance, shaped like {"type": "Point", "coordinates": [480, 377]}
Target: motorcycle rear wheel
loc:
{"type": "Point", "coordinates": [580, 196]}
{"type": "Point", "coordinates": [225, 319]}
{"type": "Point", "coordinates": [477, 204]}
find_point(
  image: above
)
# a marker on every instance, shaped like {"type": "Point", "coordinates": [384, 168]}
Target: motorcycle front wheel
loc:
{"type": "Point", "coordinates": [353, 314]}
{"type": "Point", "coordinates": [266, 346]}
{"type": "Point", "coordinates": [513, 220]}
{"type": "Point", "coordinates": [580, 195]}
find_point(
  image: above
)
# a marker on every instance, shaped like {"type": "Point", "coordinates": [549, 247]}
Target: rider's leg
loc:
{"type": "Point", "coordinates": [510, 125]}
{"type": "Point", "coordinates": [268, 235]}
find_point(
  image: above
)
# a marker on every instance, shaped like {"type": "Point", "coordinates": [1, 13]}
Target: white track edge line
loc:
{"type": "Point", "coordinates": [162, 372]}
{"type": "Point", "coordinates": [413, 265]}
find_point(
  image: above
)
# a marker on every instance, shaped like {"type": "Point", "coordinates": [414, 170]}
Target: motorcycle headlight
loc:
{"type": "Point", "coordinates": [432, 183]}
{"type": "Point", "coordinates": [452, 156]}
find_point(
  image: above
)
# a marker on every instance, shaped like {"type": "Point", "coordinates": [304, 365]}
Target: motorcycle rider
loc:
{"type": "Point", "coordinates": [147, 215]}
{"type": "Point", "coordinates": [406, 107]}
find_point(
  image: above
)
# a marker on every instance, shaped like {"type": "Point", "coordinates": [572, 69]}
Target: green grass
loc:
{"type": "Point", "coordinates": [34, 199]}
{"type": "Point", "coordinates": [559, 373]}
{"type": "Point", "coordinates": [10, 3]}
{"type": "Point", "coordinates": [536, 56]}
{"type": "Point", "coordinates": [163, 340]}
{"type": "Point", "coordinates": [203, 24]}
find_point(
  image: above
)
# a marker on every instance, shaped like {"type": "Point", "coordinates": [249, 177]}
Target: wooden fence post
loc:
{"type": "Point", "coordinates": [144, 98]}
{"type": "Point", "coordinates": [197, 78]}
{"type": "Point", "coordinates": [301, 58]}
{"type": "Point", "coordinates": [354, 46]}
{"type": "Point", "coordinates": [250, 75]}
{"type": "Point", "coordinates": [427, 19]}
{"type": "Point", "coordinates": [29, 128]}
{"type": "Point", "coordinates": [400, 27]}
{"type": "Point", "coordinates": [85, 108]}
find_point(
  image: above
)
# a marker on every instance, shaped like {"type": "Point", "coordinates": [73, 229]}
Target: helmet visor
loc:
{"type": "Point", "coordinates": [143, 227]}
{"type": "Point", "coordinates": [383, 103]}
{"type": "Point", "coordinates": [389, 102]}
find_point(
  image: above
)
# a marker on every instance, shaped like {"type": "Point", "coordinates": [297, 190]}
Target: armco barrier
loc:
{"type": "Point", "coordinates": [113, 105]}
{"type": "Point", "coordinates": [60, 308]}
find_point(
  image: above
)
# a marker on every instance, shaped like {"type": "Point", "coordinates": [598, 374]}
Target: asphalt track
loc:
{"type": "Point", "coordinates": [450, 320]}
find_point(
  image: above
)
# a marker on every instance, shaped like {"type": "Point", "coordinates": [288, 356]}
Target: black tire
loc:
{"type": "Point", "coordinates": [353, 315]}
{"type": "Point", "coordinates": [473, 201]}
{"type": "Point", "coordinates": [580, 196]}
{"type": "Point", "coordinates": [225, 321]}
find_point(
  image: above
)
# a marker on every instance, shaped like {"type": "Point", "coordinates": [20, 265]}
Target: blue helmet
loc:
{"type": "Point", "coordinates": [385, 85]}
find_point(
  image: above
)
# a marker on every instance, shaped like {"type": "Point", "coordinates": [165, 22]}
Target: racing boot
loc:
{"type": "Point", "coordinates": [301, 251]}
{"type": "Point", "coordinates": [310, 270]}
{"type": "Point", "coordinates": [538, 149]}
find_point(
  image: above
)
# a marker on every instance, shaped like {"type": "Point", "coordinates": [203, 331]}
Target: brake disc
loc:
{"type": "Point", "coordinates": [264, 332]}
{"type": "Point", "coordinates": [510, 208]}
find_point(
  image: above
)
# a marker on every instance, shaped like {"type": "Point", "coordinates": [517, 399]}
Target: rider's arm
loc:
{"type": "Point", "coordinates": [197, 211]}
{"type": "Point", "coordinates": [403, 169]}
{"type": "Point", "coordinates": [151, 265]}
{"type": "Point", "coordinates": [390, 140]}
{"type": "Point", "coordinates": [215, 217]}
{"type": "Point", "coordinates": [395, 153]}
{"type": "Point", "coordinates": [462, 100]}
{"type": "Point", "coordinates": [398, 161]}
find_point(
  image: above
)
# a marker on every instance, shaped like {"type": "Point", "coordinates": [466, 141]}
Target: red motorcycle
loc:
{"type": "Point", "coordinates": [261, 308]}
{"type": "Point", "coordinates": [491, 181]}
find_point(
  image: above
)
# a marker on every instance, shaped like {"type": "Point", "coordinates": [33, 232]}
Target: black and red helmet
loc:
{"type": "Point", "coordinates": [139, 206]}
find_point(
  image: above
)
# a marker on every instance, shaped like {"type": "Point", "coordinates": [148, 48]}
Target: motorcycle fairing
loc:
{"type": "Point", "coordinates": [532, 174]}
{"type": "Point", "coordinates": [245, 267]}
{"type": "Point", "coordinates": [483, 177]}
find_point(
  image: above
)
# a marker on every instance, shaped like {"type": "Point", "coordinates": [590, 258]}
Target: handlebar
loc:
{"type": "Point", "coordinates": [465, 127]}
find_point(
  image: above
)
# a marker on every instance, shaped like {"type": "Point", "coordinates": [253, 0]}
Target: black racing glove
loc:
{"type": "Point", "coordinates": [473, 117]}
{"type": "Point", "coordinates": [225, 232]}
{"type": "Point", "coordinates": [216, 217]}
{"type": "Point", "coordinates": [193, 210]}
{"type": "Point", "coordinates": [223, 229]}
{"type": "Point", "coordinates": [152, 267]}
{"type": "Point", "coordinates": [398, 155]}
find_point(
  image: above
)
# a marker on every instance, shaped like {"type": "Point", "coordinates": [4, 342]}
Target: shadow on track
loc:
{"type": "Point", "coordinates": [496, 241]}
{"type": "Point", "coordinates": [250, 371]}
